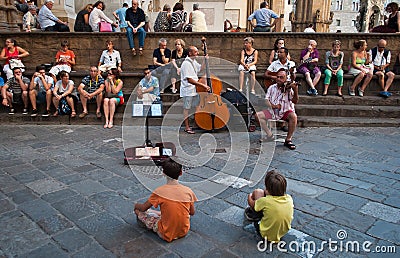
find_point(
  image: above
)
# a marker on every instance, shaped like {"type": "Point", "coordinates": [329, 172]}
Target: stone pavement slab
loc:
{"type": "Point", "coordinates": [65, 192]}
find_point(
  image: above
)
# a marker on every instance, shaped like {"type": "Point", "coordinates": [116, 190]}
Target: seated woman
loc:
{"type": "Point", "coordinates": [163, 20]}
{"type": "Point", "coordinates": [248, 61]}
{"type": "Point", "coordinates": [113, 96]}
{"type": "Point", "coordinates": [64, 88]}
{"type": "Point", "coordinates": [178, 55]}
{"type": "Point", "coordinates": [110, 58]}
{"type": "Point", "coordinates": [11, 53]}
{"type": "Point", "coordinates": [334, 62]}
{"type": "Point", "coordinates": [279, 42]}
{"type": "Point", "coordinates": [97, 15]}
{"type": "Point", "coordinates": [392, 22]}
{"type": "Point", "coordinates": [360, 68]}
{"type": "Point", "coordinates": [309, 64]}
{"type": "Point", "coordinates": [82, 19]}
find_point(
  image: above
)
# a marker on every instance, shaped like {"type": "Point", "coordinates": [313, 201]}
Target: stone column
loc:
{"type": "Point", "coordinates": [279, 8]}
{"type": "Point", "coordinates": [10, 18]}
{"type": "Point", "coordinates": [316, 12]}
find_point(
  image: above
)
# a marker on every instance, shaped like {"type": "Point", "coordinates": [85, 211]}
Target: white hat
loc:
{"type": "Point", "coordinates": [48, 1]}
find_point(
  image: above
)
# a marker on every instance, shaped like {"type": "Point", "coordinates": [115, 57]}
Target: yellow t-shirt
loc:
{"type": "Point", "coordinates": [277, 216]}
{"type": "Point", "coordinates": [175, 202]}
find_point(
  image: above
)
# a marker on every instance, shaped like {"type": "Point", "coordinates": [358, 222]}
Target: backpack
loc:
{"type": "Point", "coordinates": [178, 19]}
{"type": "Point", "coordinates": [63, 107]}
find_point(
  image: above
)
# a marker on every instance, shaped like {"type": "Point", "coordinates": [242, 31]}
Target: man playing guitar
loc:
{"type": "Point", "coordinates": [282, 63]}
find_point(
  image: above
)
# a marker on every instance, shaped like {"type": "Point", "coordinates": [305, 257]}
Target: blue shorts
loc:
{"type": "Point", "coordinates": [41, 97]}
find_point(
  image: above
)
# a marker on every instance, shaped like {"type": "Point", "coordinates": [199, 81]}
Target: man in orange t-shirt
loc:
{"type": "Point", "coordinates": [176, 203]}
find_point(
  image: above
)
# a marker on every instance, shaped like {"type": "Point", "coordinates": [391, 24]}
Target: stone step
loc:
{"type": "Point", "coordinates": [348, 111]}
{"type": "Point", "coordinates": [318, 121]}
{"type": "Point", "coordinates": [349, 100]}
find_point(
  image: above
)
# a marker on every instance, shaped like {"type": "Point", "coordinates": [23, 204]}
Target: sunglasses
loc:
{"type": "Point", "coordinates": [146, 73]}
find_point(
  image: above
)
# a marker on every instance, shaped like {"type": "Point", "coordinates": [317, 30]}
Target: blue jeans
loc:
{"type": "Point", "coordinates": [129, 34]}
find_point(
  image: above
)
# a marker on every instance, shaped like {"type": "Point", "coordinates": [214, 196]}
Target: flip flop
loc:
{"type": "Point", "coordinates": [268, 139]}
{"type": "Point", "coordinates": [110, 125]}
{"type": "Point", "coordinates": [98, 115]}
{"type": "Point", "coordinates": [73, 114]}
{"type": "Point", "coordinates": [105, 125]}
{"type": "Point", "coordinates": [189, 131]}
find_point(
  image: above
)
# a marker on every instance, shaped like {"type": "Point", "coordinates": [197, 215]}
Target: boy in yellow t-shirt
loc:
{"type": "Point", "coordinates": [176, 203]}
{"type": "Point", "coordinates": [271, 209]}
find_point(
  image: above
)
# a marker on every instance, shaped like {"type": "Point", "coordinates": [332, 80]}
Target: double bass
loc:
{"type": "Point", "coordinates": [211, 113]}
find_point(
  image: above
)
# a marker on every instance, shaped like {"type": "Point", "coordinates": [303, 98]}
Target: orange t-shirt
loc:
{"type": "Point", "coordinates": [175, 202]}
{"type": "Point", "coordinates": [67, 55]}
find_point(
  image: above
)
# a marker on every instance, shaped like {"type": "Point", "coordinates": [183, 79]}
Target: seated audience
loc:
{"type": "Point", "coordinates": [163, 20]}
{"type": "Point", "coordinates": [360, 68]}
{"type": "Point", "coordinates": [309, 65]}
{"type": "Point", "coordinates": [178, 18]}
{"type": "Point", "coordinates": [91, 89]}
{"type": "Point", "coordinates": [136, 19]}
{"type": "Point", "coordinates": [392, 22]}
{"type": "Point", "coordinates": [176, 204]}
{"type": "Point", "coordinates": [161, 59]}
{"type": "Point", "coordinates": [30, 20]}
{"type": "Point", "coordinates": [120, 15]}
{"type": "Point", "coordinates": [334, 63]}
{"type": "Point", "coordinates": [97, 15]}
{"type": "Point", "coordinates": [279, 42]}
{"type": "Point", "coordinates": [271, 209]}
{"type": "Point", "coordinates": [48, 21]}
{"type": "Point", "coordinates": [23, 5]}
{"type": "Point", "coordinates": [12, 54]}
{"type": "Point", "coordinates": [113, 96]}
{"type": "Point", "coordinates": [148, 90]}
{"type": "Point", "coordinates": [380, 58]}
{"type": "Point", "coordinates": [65, 89]}
{"type": "Point", "coordinates": [280, 100]}
{"type": "Point", "coordinates": [248, 61]}
{"type": "Point", "coordinates": [110, 58]}
{"type": "Point", "coordinates": [41, 90]}
{"type": "Point", "coordinates": [82, 19]}
{"type": "Point", "coordinates": [178, 55]}
{"type": "Point", "coordinates": [198, 19]}
{"type": "Point", "coordinates": [15, 90]}
{"type": "Point", "coordinates": [284, 63]}
{"type": "Point", "coordinates": [309, 29]}
{"type": "Point", "coordinates": [65, 59]}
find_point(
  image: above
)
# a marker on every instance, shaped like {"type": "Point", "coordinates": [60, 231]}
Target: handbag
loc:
{"type": "Point", "coordinates": [63, 107]}
{"type": "Point", "coordinates": [16, 63]}
{"type": "Point", "coordinates": [105, 27]}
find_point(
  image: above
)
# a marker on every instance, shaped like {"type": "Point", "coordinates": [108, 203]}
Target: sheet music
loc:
{"type": "Point", "coordinates": [137, 109]}
{"type": "Point", "coordinates": [156, 110]}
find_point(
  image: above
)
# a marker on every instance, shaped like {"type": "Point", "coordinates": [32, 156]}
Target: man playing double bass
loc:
{"type": "Point", "coordinates": [189, 80]}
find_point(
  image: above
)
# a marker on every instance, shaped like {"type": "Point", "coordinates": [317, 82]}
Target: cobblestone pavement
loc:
{"type": "Point", "coordinates": [65, 192]}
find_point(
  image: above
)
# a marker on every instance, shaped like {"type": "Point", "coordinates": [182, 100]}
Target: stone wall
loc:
{"type": "Point", "coordinates": [88, 46]}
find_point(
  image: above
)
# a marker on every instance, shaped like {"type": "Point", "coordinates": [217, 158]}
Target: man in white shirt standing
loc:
{"type": "Point", "coordinates": [189, 80]}
{"type": "Point", "coordinates": [48, 21]}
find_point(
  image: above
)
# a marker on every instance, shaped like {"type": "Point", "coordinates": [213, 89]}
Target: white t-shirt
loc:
{"type": "Point", "coordinates": [39, 82]}
{"type": "Point", "coordinates": [189, 69]}
{"type": "Point", "coordinates": [277, 65]}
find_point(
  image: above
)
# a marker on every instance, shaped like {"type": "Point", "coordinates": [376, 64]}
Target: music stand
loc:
{"type": "Point", "coordinates": [148, 151]}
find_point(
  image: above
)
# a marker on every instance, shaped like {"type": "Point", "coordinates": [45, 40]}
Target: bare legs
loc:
{"type": "Point", "coordinates": [109, 106]}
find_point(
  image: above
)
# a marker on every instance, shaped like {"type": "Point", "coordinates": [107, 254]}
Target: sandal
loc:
{"type": "Point", "coordinates": [73, 114]}
{"type": "Point", "coordinates": [268, 139]}
{"type": "Point", "coordinates": [105, 125]}
{"type": "Point", "coordinates": [110, 125]}
{"type": "Point", "coordinates": [140, 51]}
{"type": "Point", "coordinates": [83, 114]}
{"type": "Point", "coordinates": [189, 131]}
{"type": "Point", "coordinates": [134, 51]}
{"type": "Point", "coordinates": [289, 145]}
{"type": "Point", "coordinates": [55, 114]}
{"type": "Point", "coordinates": [98, 115]}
